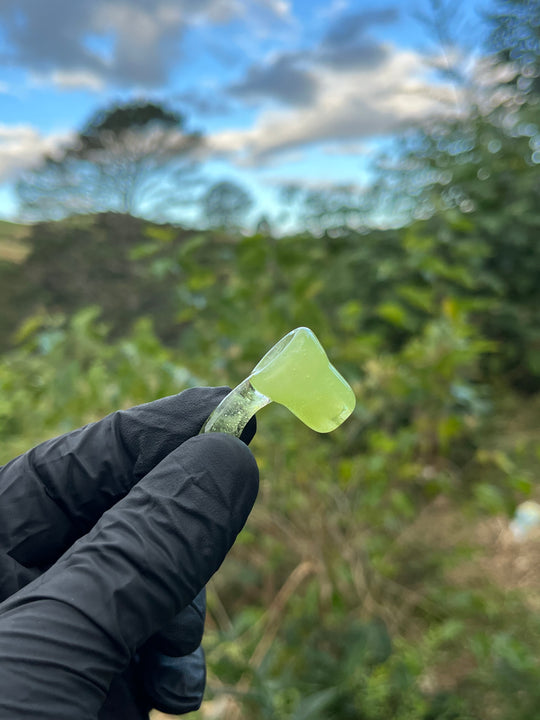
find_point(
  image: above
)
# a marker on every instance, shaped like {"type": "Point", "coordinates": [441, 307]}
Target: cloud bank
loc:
{"type": "Point", "coordinates": [339, 87]}
{"type": "Point", "coordinates": [347, 86]}
{"type": "Point", "coordinates": [124, 43]}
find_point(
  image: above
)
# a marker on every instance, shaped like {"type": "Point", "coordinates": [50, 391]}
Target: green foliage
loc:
{"type": "Point", "coordinates": [515, 37]}
{"type": "Point", "coordinates": [120, 119]}
{"type": "Point", "coordinates": [67, 372]}
{"type": "Point", "coordinates": [339, 600]}
{"type": "Point", "coordinates": [473, 184]}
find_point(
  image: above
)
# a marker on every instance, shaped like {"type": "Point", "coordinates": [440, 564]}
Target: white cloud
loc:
{"type": "Point", "coordinates": [77, 80]}
{"type": "Point", "coordinates": [281, 8]}
{"type": "Point", "coordinates": [145, 39]}
{"type": "Point", "coordinates": [70, 80]}
{"type": "Point", "coordinates": [22, 146]}
{"type": "Point", "coordinates": [141, 25]}
{"type": "Point", "coordinates": [315, 184]}
{"type": "Point", "coordinates": [349, 106]}
{"type": "Point", "coordinates": [220, 12]}
{"type": "Point", "coordinates": [169, 13]}
{"type": "Point", "coordinates": [347, 148]}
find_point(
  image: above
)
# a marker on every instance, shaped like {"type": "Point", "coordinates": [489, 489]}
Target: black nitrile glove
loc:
{"type": "Point", "coordinates": [108, 536]}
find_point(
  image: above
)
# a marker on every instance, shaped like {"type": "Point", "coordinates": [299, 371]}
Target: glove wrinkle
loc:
{"type": "Point", "coordinates": [34, 530]}
{"type": "Point", "coordinates": [51, 662]}
{"type": "Point", "coordinates": [85, 472]}
{"type": "Point", "coordinates": [153, 430]}
{"type": "Point", "coordinates": [14, 576]}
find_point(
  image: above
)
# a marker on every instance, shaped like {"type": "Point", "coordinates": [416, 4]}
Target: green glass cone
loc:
{"type": "Point", "coordinates": [295, 373]}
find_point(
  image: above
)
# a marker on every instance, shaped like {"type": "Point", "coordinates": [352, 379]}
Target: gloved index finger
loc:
{"type": "Point", "coordinates": [56, 492]}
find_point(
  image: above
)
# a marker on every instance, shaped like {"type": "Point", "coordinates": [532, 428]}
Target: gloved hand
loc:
{"type": "Point", "coordinates": [108, 536]}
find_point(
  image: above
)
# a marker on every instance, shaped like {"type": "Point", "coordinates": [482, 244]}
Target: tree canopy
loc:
{"type": "Point", "coordinates": [225, 204]}
{"type": "Point", "coordinates": [130, 158]}
{"type": "Point", "coordinates": [515, 37]}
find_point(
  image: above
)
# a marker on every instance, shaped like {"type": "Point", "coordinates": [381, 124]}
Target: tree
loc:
{"type": "Point", "coordinates": [134, 158]}
{"type": "Point", "coordinates": [225, 205]}
{"type": "Point", "coordinates": [327, 207]}
{"type": "Point", "coordinates": [263, 226]}
{"type": "Point", "coordinates": [515, 37]}
{"type": "Point", "coordinates": [471, 184]}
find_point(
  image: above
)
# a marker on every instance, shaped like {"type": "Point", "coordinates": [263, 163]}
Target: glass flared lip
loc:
{"type": "Point", "coordinates": [276, 350]}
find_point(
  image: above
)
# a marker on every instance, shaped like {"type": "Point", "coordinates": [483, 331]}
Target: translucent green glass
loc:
{"type": "Point", "coordinates": [295, 373]}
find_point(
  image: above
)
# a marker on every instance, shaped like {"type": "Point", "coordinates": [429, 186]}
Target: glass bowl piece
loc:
{"type": "Point", "coordinates": [296, 373]}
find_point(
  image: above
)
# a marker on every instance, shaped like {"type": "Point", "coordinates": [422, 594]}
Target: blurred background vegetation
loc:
{"type": "Point", "coordinates": [377, 577]}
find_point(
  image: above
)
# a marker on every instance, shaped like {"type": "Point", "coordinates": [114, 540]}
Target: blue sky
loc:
{"type": "Point", "coordinates": [285, 91]}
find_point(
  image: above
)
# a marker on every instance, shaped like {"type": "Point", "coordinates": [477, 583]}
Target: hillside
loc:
{"type": "Point", "coordinates": [60, 267]}
{"type": "Point", "coordinates": [12, 241]}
